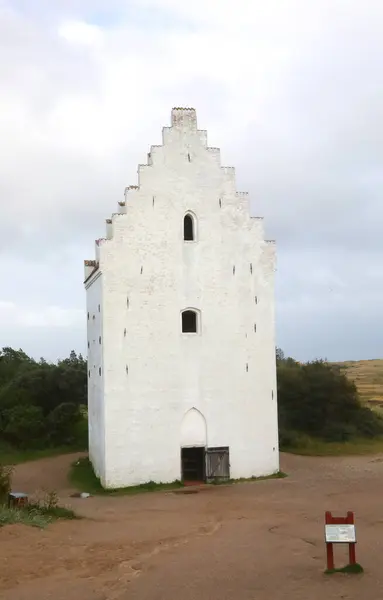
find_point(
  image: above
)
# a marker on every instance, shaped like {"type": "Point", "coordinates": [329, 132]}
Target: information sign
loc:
{"type": "Point", "coordinates": [341, 534]}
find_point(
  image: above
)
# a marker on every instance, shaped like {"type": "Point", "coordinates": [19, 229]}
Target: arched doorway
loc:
{"type": "Point", "coordinates": [193, 445]}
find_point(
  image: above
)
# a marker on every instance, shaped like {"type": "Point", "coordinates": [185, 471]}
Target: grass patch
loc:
{"type": "Point", "coordinates": [351, 569]}
{"type": "Point", "coordinates": [83, 478]}
{"type": "Point", "coordinates": [13, 516]}
{"type": "Point", "coordinates": [14, 456]}
{"type": "Point", "coordinates": [278, 475]}
{"type": "Point", "coordinates": [55, 513]}
{"type": "Point", "coordinates": [307, 446]}
{"type": "Point", "coordinates": [34, 515]}
{"type": "Point", "coordinates": [367, 376]}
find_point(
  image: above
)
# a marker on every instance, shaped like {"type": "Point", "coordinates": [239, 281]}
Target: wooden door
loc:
{"type": "Point", "coordinates": [217, 464]}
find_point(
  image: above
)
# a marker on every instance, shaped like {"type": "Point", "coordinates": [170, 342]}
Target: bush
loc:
{"type": "Point", "coordinates": [42, 404]}
{"type": "Point", "coordinates": [41, 510]}
{"type": "Point", "coordinates": [32, 517]}
{"type": "Point", "coordinates": [47, 504]}
{"type": "Point", "coordinates": [23, 425]}
{"type": "Point", "coordinates": [318, 400]}
{"type": "Point", "coordinates": [6, 474]}
{"type": "Point", "coordinates": [61, 423]}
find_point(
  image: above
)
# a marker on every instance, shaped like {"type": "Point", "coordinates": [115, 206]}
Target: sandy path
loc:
{"type": "Point", "coordinates": [258, 540]}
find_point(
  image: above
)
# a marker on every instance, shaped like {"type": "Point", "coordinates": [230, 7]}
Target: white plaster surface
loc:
{"type": "Point", "coordinates": [193, 430]}
{"type": "Point", "coordinates": [152, 373]}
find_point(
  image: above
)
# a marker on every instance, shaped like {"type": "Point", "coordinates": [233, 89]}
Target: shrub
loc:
{"type": "Point", "coordinates": [318, 400]}
{"type": "Point", "coordinates": [32, 517]}
{"type": "Point", "coordinates": [6, 474]}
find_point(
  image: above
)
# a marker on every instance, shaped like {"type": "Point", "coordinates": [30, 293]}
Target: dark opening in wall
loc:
{"type": "Point", "coordinates": [99, 370]}
{"type": "Point", "coordinates": [188, 228]}
{"type": "Point", "coordinates": [88, 373]}
{"type": "Point", "coordinates": [98, 308]}
{"type": "Point", "coordinates": [99, 340]}
{"type": "Point", "coordinates": [88, 345]}
{"type": "Point", "coordinates": [251, 268]}
{"type": "Point", "coordinates": [256, 299]}
{"type": "Point", "coordinates": [88, 316]}
{"type": "Point", "coordinates": [189, 321]}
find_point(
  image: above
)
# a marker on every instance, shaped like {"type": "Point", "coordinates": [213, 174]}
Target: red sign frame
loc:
{"type": "Point", "coordinates": [348, 520]}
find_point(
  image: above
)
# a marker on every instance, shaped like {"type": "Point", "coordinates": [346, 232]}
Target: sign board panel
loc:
{"type": "Point", "coordinates": [344, 534]}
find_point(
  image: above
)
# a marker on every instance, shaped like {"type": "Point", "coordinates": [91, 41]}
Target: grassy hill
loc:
{"type": "Point", "coordinates": [368, 378]}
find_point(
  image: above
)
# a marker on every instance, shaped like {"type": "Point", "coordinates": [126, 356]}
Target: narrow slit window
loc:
{"type": "Point", "coordinates": [188, 228]}
{"type": "Point", "coordinates": [189, 321]}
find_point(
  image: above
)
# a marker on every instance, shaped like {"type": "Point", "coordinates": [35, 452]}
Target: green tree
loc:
{"type": "Point", "coordinates": [51, 397]}
{"type": "Point", "coordinates": [11, 363]}
{"type": "Point", "coordinates": [61, 423]}
{"type": "Point", "coordinates": [23, 426]}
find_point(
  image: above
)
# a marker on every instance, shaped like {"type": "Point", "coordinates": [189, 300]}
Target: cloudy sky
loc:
{"type": "Point", "coordinates": [292, 92]}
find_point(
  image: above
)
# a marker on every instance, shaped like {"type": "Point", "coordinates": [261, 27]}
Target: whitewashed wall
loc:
{"type": "Point", "coordinates": [95, 374]}
{"type": "Point", "coordinates": [152, 373]}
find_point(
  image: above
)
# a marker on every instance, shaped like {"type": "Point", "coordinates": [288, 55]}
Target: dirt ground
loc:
{"type": "Point", "coordinates": [250, 541]}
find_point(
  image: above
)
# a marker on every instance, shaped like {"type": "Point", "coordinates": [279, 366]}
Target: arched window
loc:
{"type": "Point", "coordinates": [189, 321]}
{"type": "Point", "coordinates": [189, 229]}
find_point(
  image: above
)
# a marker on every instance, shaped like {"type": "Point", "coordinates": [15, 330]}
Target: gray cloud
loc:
{"type": "Point", "coordinates": [291, 93]}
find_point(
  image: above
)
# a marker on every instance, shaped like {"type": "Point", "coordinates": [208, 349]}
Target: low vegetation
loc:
{"type": "Point", "coordinates": [320, 410]}
{"type": "Point", "coordinates": [368, 378]}
{"type": "Point", "coordinates": [323, 408]}
{"type": "Point", "coordinates": [83, 478]}
{"type": "Point", "coordinates": [278, 475]}
{"type": "Point", "coordinates": [310, 446]}
{"type": "Point", "coordinates": [355, 569]}
{"type": "Point", "coordinates": [39, 512]}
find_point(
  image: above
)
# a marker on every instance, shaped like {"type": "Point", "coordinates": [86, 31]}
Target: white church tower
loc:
{"type": "Point", "coordinates": [181, 331]}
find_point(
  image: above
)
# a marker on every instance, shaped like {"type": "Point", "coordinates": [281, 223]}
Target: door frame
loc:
{"type": "Point", "coordinates": [203, 448]}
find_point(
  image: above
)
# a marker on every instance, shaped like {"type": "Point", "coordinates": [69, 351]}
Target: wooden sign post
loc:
{"type": "Point", "coordinates": [339, 530]}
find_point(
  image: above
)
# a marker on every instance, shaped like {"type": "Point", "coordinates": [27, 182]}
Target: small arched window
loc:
{"type": "Point", "coordinates": [189, 321]}
{"type": "Point", "coordinates": [189, 229]}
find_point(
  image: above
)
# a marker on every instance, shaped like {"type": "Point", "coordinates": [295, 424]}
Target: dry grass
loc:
{"type": "Point", "coordinates": [368, 378]}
